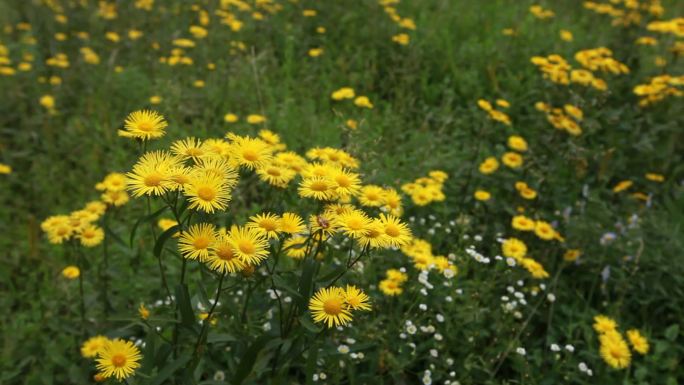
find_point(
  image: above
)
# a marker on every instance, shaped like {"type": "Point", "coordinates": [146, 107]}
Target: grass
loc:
{"type": "Point", "coordinates": [425, 117]}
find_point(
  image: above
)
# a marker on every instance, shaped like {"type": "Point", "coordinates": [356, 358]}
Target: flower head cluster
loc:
{"type": "Point", "coordinates": [566, 118]}
{"type": "Point", "coordinates": [392, 284]}
{"type": "Point", "coordinates": [115, 357]}
{"type": "Point", "coordinates": [613, 348]}
{"type": "Point", "coordinates": [495, 114]}
{"type": "Point", "coordinates": [659, 88]}
{"type": "Point", "coordinates": [428, 189]}
{"type": "Point", "coordinates": [333, 306]}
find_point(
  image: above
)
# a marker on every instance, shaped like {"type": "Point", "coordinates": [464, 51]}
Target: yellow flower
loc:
{"type": "Point", "coordinates": [118, 358]}
{"type": "Point", "coordinates": [512, 159]}
{"type": "Point", "coordinates": [144, 124]}
{"type": "Point", "coordinates": [489, 165]}
{"type": "Point", "coordinates": [390, 287]}
{"type": "Point", "coordinates": [91, 236]}
{"type": "Point", "coordinates": [343, 93]}
{"type": "Point", "coordinates": [266, 224]}
{"type": "Point", "coordinates": [317, 187]}
{"type": "Point", "coordinates": [363, 101]}
{"type": "Point", "coordinates": [401, 39]}
{"type": "Point", "coordinates": [572, 255]}
{"type": "Point", "coordinates": [315, 52]}
{"type": "Point", "coordinates": [329, 306]}
{"type": "Point", "coordinates": [71, 272]}
{"type": "Point", "coordinates": [222, 256]}
{"type": "Point", "coordinates": [638, 341]}
{"type": "Point", "coordinates": [143, 311]}
{"type": "Point", "coordinates": [47, 101]}
{"type": "Point", "coordinates": [250, 152]}
{"type": "Point", "coordinates": [535, 268]}
{"type": "Point", "coordinates": [230, 118]}
{"type": "Point", "coordinates": [356, 299]}
{"type": "Point", "coordinates": [353, 223]}
{"type": "Point", "coordinates": [522, 223]}
{"type": "Point", "coordinates": [514, 248]}
{"type": "Point", "coordinates": [603, 324]}
{"type": "Point", "coordinates": [291, 223]}
{"type": "Point", "coordinates": [544, 230]}
{"type": "Point", "coordinates": [517, 143]}
{"type": "Point", "coordinates": [566, 35]}
{"type": "Point", "coordinates": [398, 233]}
{"type": "Point", "coordinates": [196, 241]}
{"type": "Point", "coordinates": [351, 124]}
{"type": "Point", "coordinates": [622, 186]}
{"type": "Point", "coordinates": [255, 119]}
{"type": "Point", "coordinates": [655, 177]}
{"type": "Point", "coordinates": [372, 196]}
{"type": "Point", "coordinates": [482, 195]}
{"type": "Point", "coordinates": [249, 245]}
{"type": "Point", "coordinates": [93, 346]}
{"type": "Point", "coordinates": [150, 176]}
{"type": "Point", "coordinates": [208, 192]}
{"type": "Point", "coordinates": [614, 350]}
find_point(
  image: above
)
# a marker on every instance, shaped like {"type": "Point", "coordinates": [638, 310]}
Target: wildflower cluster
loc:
{"type": "Point", "coordinates": [566, 119]}
{"type": "Point", "coordinates": [428, 189]}
{"type": "Point", "coordinates": [495, 114]}
{"type": "Point", "coordinates": [613, 347]}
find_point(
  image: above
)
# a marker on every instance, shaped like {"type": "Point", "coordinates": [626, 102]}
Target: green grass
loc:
{"type": "Point", "coordinates": [425, 117]}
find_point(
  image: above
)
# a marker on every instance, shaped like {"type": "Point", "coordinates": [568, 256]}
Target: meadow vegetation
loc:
{"type": "Point", "coordinates": [334, 192]}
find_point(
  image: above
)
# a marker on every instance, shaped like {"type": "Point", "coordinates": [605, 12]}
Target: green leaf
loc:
{"type": "Point", "coordinates": [159, 246]}
{"type": "Point", "coordinates": [311, 363]}
{"type": "Point", "coordinates": [111, 234]}
{"type": "Point", "coordinates": [305, 320]}
{"type": "Point", "coordinates": [306, 282]}
{"type": "Point", "coordinates": [183, 300]}
{"type": "Point", "coordinates": [672, 332]}
{"type": "Point", "coordinates": [168, 370]}
{"type": "Point", "coordinates": [215, 338]}
{"type": "Point", "coordinates": [248, 359]}
{"type": "Point", "coordinates": [144, 219]}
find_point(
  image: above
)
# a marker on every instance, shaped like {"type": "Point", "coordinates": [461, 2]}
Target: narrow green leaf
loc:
{"type": "Point", "coordinates": [159, 246]}
{"type": "Point", "coordinates": [167, 371]}
{"type": "Point", "coordinates": [248, 359]}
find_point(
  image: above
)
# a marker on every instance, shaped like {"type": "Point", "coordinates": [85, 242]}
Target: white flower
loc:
{"type": "Point", "coordinates": [438, 337]}
{"type": "Point", "coordinates": [521, 351]}
{"type": "Point", "coordinates": [219, 376]}
{"type": "Point", "coordinates": [569, 348]}
{"type": "Point", "coordinates": [510, 262]}
{"type": "Point", "coordinates": [422, 307]}
{"type": "Point", "coordinates": [582, 367]}
{"type": "Point", "coordinates": [551, 297]}
{"type": "Point", "coordinates": [434, 353]}
{"type": "Point", "coordinates": [411, 329]}
{"type": "Point", "coordinates": [344, 349]}
{"type": "Point", "coordinates": [323, 376]}
{"type": "Point", "coordinates": [589, 373]}
{"type": "Point", "coordinates": [555, 348]}
{"type": "Point", "coordinates": [440, 318]}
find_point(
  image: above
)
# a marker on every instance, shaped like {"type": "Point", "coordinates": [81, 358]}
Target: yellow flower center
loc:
{"type": "Point", "coordinates": [194, 152]}
{"type": "Point", "coordinates": [225, 252]}
{"type": "Point", "coordinates": [319, 185]}
{"type": "Point", "coordinates": [201, 242]}
{"type": "Point", "coordinates": [206, 193]}
{"type": "Point", "coordinates": [153, 180]}
{"type": "Point", "coordinates": [268, 224]}
{"type": "Point", "coordinates": [145, 126]}
{"type": "Point", "coordinates": [273, 172]}
{"type": "Point", "coordinates": [250, 155]}
{"type": "Point", "coordinates": [246, 247]}
{"type": "Point", "coordinates": [88, 233]}
{"type": "Point", "coordinates": [343, 181]}
{"type": "Point", "coordinates": [332, 306]}
{"type": "Point", "coordinates": [119, 360]}
{"type": "Point", "coordinates": [372, 196]}
{"type": "Point", "coordinates": [392, 230]}
{"type": "Point", "coordinates": [355, 223]}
